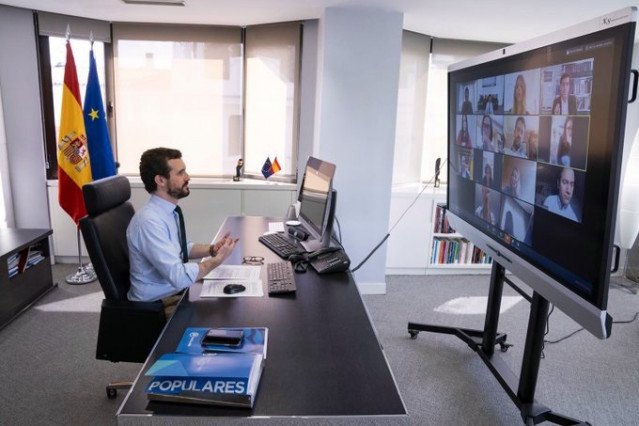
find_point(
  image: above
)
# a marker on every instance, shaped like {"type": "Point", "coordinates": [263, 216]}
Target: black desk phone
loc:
{"type": "Point", "coordinates": [330, 259]}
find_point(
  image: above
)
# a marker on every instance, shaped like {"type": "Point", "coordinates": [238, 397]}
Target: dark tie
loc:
{"type": "Point", "coordinates": [185, 254]}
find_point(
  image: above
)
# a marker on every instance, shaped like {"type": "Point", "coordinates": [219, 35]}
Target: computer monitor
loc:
{"type": "Point", "coordinates": [317, 203]}
{"type": "Point", "coordinates": [533, 177]}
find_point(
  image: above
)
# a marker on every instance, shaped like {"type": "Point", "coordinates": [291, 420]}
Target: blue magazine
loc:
{"type": "Point", "coordinates": [254, 341]}
{"type": "Point", "coordinates": [229, 379]}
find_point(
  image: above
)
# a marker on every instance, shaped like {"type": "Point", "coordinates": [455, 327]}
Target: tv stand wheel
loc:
{"type": "Point", "coordinates": [504, 346]}
{"type": "Point", "coordinates": [111, 392]}
{"type": "Point", "coordinates": [413, 334]}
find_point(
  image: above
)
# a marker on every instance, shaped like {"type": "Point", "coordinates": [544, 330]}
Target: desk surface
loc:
{"type": "Point", "coordinates": [323, 358]}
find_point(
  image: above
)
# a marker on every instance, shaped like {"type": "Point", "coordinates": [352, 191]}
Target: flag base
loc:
{"type": "Point", "coordinates": [84, 275]}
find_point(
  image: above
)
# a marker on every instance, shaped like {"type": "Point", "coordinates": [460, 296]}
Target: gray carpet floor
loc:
{"type": "Point", "coordinates": [50, 375]}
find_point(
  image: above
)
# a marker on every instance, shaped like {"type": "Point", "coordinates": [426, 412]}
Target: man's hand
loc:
{"type": "Point", "coordinates": [224, 247]}
{"type": "Point", "coordinates": [218, 252]}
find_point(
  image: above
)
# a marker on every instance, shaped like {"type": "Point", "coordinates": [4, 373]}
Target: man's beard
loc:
{"type": "Point", "coordinates": [181, 192]}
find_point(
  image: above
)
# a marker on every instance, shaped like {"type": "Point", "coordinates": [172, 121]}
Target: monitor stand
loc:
{"type": "Point", "coordinates": [311, 245]}
{"type": "Point", "coordinates": [483, 342]}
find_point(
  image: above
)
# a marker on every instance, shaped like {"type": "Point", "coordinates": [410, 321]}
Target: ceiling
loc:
{"type": "Point", "coordinates": [487, 20]}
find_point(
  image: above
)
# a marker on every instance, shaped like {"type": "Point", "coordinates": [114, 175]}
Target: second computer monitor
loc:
{"type": "Point", "coordinates": [317, 203]}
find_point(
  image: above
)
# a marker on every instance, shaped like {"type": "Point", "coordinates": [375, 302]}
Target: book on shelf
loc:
{"type": "Point", "coordinates": [24, 259]}
{"type": "Point", "coordinates": [457, 250]}
{"type": "Point", "coordinates": [442, 225]}
{"type": "Point", "coordinates": [199, 372]}
{"type": "Point", "coordinates": [219, 378]}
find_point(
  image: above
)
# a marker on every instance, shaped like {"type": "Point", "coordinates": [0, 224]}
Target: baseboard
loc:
{"type": "Point", "coordinates": [372, 288]}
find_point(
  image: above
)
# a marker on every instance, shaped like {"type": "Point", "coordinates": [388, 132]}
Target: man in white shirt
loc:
{"type": "Point", "coordinates": [518, 147]}
{"type": "Point", "coordinates": [158, 249]}
{"type": "Point", "coordinates": [565, 103]}
{"type": "Point", "coordinates": [560, 203]}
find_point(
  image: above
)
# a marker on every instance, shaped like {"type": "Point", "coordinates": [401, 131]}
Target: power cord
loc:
{"type": "Point", "coordinates": [561, 339]}
{"type": "Point", "coordinates": [429, 182]}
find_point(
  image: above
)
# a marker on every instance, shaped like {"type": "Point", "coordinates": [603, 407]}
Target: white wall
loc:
{"type": "Point", "coordinates": [22, 118]}
{"type": "Point", "coordinates": [358, 76]}
{"type": "Point", "coordinates": [209, 203]}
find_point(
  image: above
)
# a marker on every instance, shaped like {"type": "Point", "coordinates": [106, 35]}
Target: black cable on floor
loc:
{"type": "Point", "coordinates": [634, 318]}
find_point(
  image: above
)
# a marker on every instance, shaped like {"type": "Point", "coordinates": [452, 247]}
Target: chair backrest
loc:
{"type": "Point", "coordinates": [109, 212]}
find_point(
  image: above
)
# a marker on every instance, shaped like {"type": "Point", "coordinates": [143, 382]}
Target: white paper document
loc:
{"type": "Point", "coordinates": [215, 288]}
{"type": "Point", "coordinates": [235, 273]}
{"type": "Point", "coordinates": [245, 275]}
{"type": "Point", "coordinates": [275, 227]}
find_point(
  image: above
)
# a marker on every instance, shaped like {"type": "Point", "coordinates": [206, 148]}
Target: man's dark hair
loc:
{"type": "Point", "coordinates": [154, 162]}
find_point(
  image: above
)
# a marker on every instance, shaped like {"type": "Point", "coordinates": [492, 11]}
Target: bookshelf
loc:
{"type": "Point", "coordinates": [451, 249]}
{"type": "Point", "coordinates": [25, 270]}
{"type": "Point", "coordinates": [410, 245]}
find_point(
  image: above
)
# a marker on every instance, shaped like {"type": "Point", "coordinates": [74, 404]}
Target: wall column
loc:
{"type": "Point", "coordinates": [359, 52]}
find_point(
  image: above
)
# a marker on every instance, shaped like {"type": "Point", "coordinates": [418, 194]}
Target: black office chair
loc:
{"type": "Point", "coordinates": [128, 330]}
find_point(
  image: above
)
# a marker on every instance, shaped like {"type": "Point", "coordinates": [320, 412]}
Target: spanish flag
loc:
{"type": "Point", "coordinates": [74, 166]}
{"type": "Point", "coordinates": [275, 166]}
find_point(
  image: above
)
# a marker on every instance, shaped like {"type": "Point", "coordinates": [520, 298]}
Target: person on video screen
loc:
{"type": "Point", "coordinates": [467, 106]}
{"type": "Point", "coordinates": [560, 203]}
{"type": "Point", "coordinates": [484, 210]}
{"type": "Point", "coordinates": [463, 137]}
{"type": "Point", "coordinates": [518, 147]}
{"type": "Point", "coordinates": [512, 188]}
{"type": "Point", "coordinates": [487, 179]}
{"type": "Point", "coordinates": [489, 105]}
{"type": "Point", "coordinates": [519, 96]}
{"type": "Point", "coordinates": [565, 143]}
{"type": "Point", "coordinates": [509, 227]}
{"type": "Point", "coordinates": [465, 171]}
{"type": "Point", "coordinates": [487, 133]}
{"type": "Point", "coordinates": [565, 103]}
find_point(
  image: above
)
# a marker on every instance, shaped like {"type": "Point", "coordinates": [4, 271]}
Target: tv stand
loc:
{"type": "Point", "coordinates": [483, 342]}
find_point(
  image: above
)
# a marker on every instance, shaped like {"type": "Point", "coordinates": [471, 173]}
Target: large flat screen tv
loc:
{"type": "Point", "coordinates": [536, 134]}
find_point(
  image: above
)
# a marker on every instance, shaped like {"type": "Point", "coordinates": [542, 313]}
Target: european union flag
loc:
{"type": "Point", "coordinates": [100, 152]}
{"type": "Point", "coordinates": [267, 170]}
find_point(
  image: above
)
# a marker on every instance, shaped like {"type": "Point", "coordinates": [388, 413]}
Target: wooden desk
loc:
{"type": "Point", "coordinates": [323, 358]}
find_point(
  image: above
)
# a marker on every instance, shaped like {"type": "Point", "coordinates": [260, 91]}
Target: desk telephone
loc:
{"type": "Point", "coordinates": [330, 259]}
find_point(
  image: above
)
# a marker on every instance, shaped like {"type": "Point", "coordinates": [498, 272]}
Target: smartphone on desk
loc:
{"type": "Point", "coordinates": [223, 337]}
{"type": "Point", "coordinates": [329, 259]}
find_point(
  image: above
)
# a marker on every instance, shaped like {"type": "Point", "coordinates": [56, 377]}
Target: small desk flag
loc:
{"type": "Point", "coordinates": [102, 162]}
{"type": "Point", "coordinates": [268, 169]}
{"type": "Point", "coordinates": [74, 166]}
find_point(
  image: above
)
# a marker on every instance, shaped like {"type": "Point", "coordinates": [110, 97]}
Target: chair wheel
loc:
{"type": "Point", "coordinates": [111, 392]}
{"type": "Point", "coordinates": [413, 334]}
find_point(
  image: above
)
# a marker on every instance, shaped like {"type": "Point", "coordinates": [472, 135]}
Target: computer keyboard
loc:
{"type": "Point", "coordinates": [279, 244]}
{"type": "Point", "coordinates": [280, 277]}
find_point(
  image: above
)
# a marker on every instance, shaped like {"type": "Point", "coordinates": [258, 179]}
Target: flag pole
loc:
{"type": "Point", "coordinates": [85, 273]}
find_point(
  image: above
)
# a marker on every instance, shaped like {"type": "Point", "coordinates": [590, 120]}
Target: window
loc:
{"type": "Point", "coordinates": [58, 58]}
{"type": "Point", "coordinates": [272, 70]}
{"type": "Point", "coordinates": [185, 87]}
{"type": "Point", "coordinates": [179, 87]}
{"type": "Point", "coordinates": [411, 104]}
{"type": "Point", "coordinates": [422, 103]}
{"type": "Point", "coordinates": [215, 93]}
{"type": "Point", "coordinates": [53, 30]}
{"type": "Point", "coordinates": [444, 52]}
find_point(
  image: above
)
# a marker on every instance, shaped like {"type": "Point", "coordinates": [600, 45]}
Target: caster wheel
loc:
{"type": "Point", "coordinates": [413, 334]}
{"type": "Point", "coordinates": [504, 347]}
{"type": "Point", "coordinates": [111, 392]}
